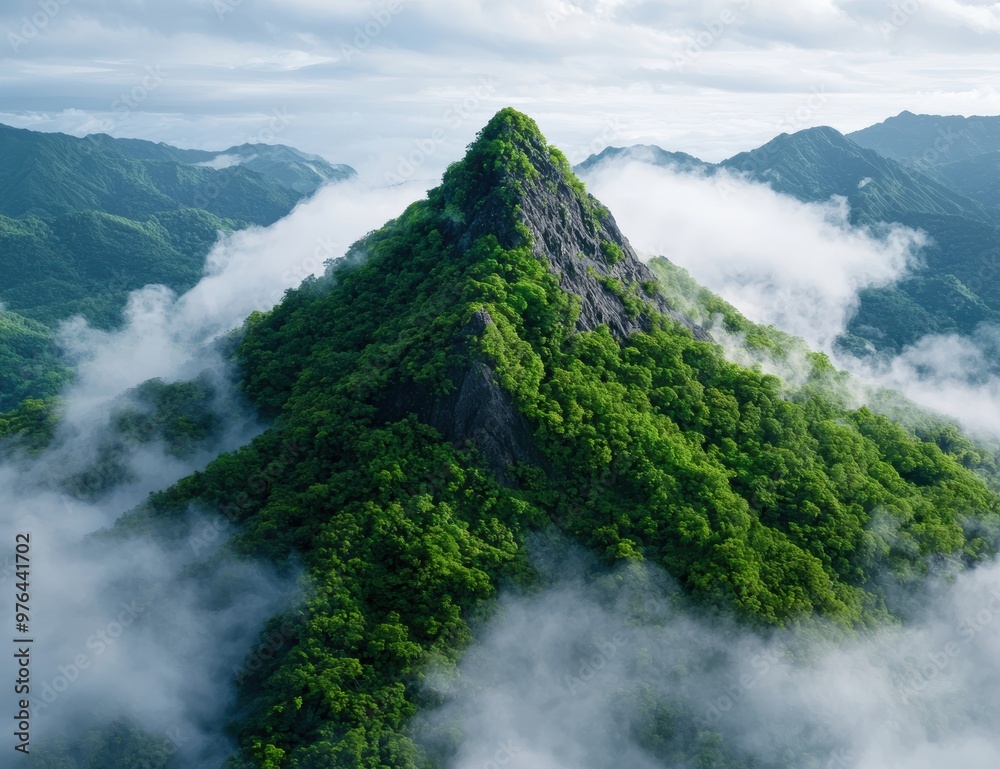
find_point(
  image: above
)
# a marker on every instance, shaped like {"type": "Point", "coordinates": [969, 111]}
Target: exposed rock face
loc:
{"type": "Point", "coordinates": [572, 245]}
{"type": "Point", "coordinates": [476, 410]}
{"type": "Point", "coordinates": [581, 243]}
{"type": "Point", "coordinates": [570, 238]}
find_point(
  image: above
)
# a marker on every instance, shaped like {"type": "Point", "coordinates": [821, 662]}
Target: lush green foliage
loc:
{"type": "Point", "coordinates": [30, 366]}
{"type": "Point", "coordinates": [758, 500]}
{"type": "Point", "coordinates": [87, 263]}
{"type": "Point", "coordinates": [118, 746]}
{"type": "Point", "coordinates": [705, 308]}
{"type": "Point", "coordinates": [85, 221]}
{"type": "Point", "coordinates": [180, 417]}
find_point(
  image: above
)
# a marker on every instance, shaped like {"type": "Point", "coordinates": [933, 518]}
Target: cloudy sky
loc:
{"type": "Point", "coordinates": [370, 82]}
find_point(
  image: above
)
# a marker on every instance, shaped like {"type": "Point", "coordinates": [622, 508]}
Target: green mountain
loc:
{"type": "Point", "coordinates": [30, 365]}
{"type": "Point", "coordinates": [495, 363]}
{"type": "Point", "coordinates": [924, 141]}
{"type": "Point", "coordinates": [962, 153]}
{"type": "Point", "coordinates": [646, 153]}
{"type": "Point", "coordinates": [298, 171]}
{"type": "Point", "coordinates": [817, 163]}
{"type": "Point", "coordinates": [977, 177]}
{"type": "Point", "coordinates": [947, 293]}
{"type": "Point", "coordinates": [950, 291]}
{"type": "Point", "coordinates": [85, 221]}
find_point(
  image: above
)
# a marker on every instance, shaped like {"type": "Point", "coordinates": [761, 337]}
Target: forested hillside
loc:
{"type": "Point", "coordinates": [83, 222]}
{"type": "Point", "coordinates": [497, 362]}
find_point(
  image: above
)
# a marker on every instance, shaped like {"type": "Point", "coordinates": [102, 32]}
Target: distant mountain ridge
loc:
{"type": "Point", "coordinates": [949, 293]}
{"type": "Point", "coordinates": [817, 163]}
{"type": "Point", "coordinates": [647, 153]}
{"type": "Point", "coordinates": [47, 174]}
{"type": "Point", "coordinates": [292, 168]}
{"type": "Point", "coordinates": [929, 140]}
{"type": "Point", "coordinates": [84, 221]}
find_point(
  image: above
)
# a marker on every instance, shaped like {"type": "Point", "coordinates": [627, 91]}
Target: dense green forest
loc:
{"type": "Point", "coordinates": [643, 447]}
{"type": "Point", "coordinates": [83, 222]}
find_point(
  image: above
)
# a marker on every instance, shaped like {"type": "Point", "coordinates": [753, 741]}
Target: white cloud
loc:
{"type": "Point", "coordinates": [573, 65]}
{"type": "Point", "coordinates": [799, 267]}
{"type": "Point", "coordinates": [225, 161]}
{"type": "Point", "coordinates": [948, 373]}
{"type": "Point", "coordinates": [120, 626]}
{"type": "Point", "coordinates": [568, 676]}
{"type": "Point", "coordinates": [793, 265]}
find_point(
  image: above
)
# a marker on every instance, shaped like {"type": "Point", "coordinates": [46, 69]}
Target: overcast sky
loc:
{"type": "Point", "coordinates": [369, 83]}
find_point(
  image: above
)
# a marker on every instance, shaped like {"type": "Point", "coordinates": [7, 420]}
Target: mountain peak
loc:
{"type": "Point", "coordinates": [508, 152]}
{"type": "Point", "coordinates": [650, 154]}
{"type": "Point", "coordinates": [510, 125]}
{"type": "Point", "coordinates": [927, 141]}
{"type": "Point", "coordinates": [514, 186]}
{"type": "Point", "coordinates": [816, 135]}
{"type": "Point", "coordinates": [818, 163]}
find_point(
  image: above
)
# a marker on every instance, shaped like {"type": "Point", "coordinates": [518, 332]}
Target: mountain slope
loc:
{"type": "Point", "coordinates": [978, 177]}
{"type": "Point", "coordinates": [949, 291]}
{"type": "Point", "coordinates": [496, 362]}
{"type": "Point", "coordinates": [86, 263]}
{"type": "Point", "coordinates": [817, 163]}
{"type": "Point", "coordinates": [924, 141]}
{"type": "Point", "coordinates": [47, 174]}
{"type": "Point", "coordinates": [289, 167]}
{"type": "Point", "coordinates": [85, 221]}
{"type": "Point", "coordinates": [298, 171]}
{"type": "Point", "coordinates": [30, 366]}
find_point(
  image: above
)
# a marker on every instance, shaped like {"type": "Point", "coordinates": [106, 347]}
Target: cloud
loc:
{"type": "Point", "coordinates": [797, 266]}
{"type": "Point", "coordinates": [585, 672]}
{"type": "Point", "coordinates": [225, 161]}
{"type": "Point", "coordinates": [363, 75]}
{"type": "Point", "coordinates": [947, 373]}
{"type": "Point", "coordinates": [152, 627]}
{"type": "Point", "coordinates": [247, 270]}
